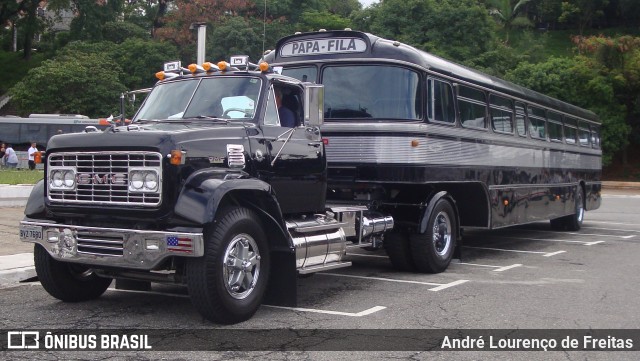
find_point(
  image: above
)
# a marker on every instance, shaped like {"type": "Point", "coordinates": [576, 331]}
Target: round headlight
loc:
{"type": "Point", "coordinates": [56, 179]}
{"type": "Point", "coordinates": [137, 180]}
{"type": "Point", "coordinates": [151, 180]}
{"type": "Point", "coordinates": [69, 179]}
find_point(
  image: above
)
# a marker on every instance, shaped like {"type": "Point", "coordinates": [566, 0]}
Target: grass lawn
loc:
{"type": "Point", "coordinates": [20, 176]}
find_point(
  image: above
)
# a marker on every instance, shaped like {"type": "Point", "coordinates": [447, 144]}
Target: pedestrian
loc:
{"type": "Point", "coordinates": [3, 150]}
{"type": "Point", "coordinates": [11, 157]}
{"type": "Point", "coordinates": [32, 160]}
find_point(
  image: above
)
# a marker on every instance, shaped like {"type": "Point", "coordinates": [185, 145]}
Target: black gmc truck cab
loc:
{"type": "Point", "coordinates": [203, 188]}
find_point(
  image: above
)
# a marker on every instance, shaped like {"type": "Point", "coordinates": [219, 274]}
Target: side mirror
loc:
{"type": "Point", "coordinates": [313, 104]}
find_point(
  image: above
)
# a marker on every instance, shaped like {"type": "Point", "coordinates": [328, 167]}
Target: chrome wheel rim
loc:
{"type": "Point", "coordinates": [442, 233]}
{"type": "Point", "coordinates": [241, 266]}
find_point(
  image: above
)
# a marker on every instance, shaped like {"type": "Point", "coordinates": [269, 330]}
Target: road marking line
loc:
{"type": "Point", "coordinates": [359, 314]}
{"type": "Point", "coordinates": [497, 268]}
{"type": "Point", "coordinates": [605, 222]}
{"type": "Point", "coordinates": [547, 240]}
{"type": "Point", "coordinates": [602, 235]}
{"type": "Point", "coordinates": [380, 279]}
{"type": "Point", "coordinates": [475, 264]}
{"type": "Point", "coordinates": [450, 284]}
{"type": "Point", "coordinates": [338, 313]}
{"type": "Point", "coordinates": [544, 254]}
{"type": "Point", "coordinates": [553, 253]}
{"type": "Point", "coordinates": [502, 269]}
{"type": "Point", "coordinates": [613, 229]}
{"type": "Point", "coordinates": [577, 234]}
{"type": "Point", "coordinates": [592, 243]}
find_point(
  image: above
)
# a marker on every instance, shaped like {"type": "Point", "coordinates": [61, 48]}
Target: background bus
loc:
{"type": "Point", "coordinates": [20, 132]}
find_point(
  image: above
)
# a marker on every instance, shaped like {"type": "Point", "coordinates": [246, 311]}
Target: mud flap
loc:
{"type": "Point", "coordinates": [282, 289]}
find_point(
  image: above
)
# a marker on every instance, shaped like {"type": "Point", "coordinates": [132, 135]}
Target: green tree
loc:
{"type": "Point", "coordinates": [456, 29]}
{"type": "Point", "coordinates": [316, 20]}
{"type": "Point", "coordinates": [91, 16]}
{"type": "Point", "coordinates": [579, 81]}
{"type": "Point", "coordinates": [140, 59]}
{"type": "Point", "coordinates": [509, 14]}
{"type": "Point", "coordinates": [582, 12]}
{"type": "Point", "coordinates": [618, 59]}
{"type": "Point", "coordinates": [81, 83]}
{"type": "Point", "coordinates": [119, 31]}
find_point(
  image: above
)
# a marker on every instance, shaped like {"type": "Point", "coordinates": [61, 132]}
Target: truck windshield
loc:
{"type": "Point", "coordinates": [209, 98]}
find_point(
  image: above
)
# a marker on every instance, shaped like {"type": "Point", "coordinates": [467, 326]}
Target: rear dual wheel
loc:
{"type": "Point", "coordinates": [574, 221]}
{"type": "Point", "coordinates": [428, 252]}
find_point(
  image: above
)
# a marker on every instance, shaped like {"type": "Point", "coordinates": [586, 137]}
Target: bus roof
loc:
{"type": "Point", "coordinates": [348, 44]}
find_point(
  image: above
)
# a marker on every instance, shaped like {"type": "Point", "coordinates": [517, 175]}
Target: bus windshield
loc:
{"type": "Point", "coordinates": [370, 91]}
{"type": "Point", "coordinates": [209, 98]}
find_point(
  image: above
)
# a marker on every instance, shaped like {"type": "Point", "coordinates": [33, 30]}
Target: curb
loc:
{"type": "Point", "coordinates": [16, 268]}
{"type": "Point", "coordinates": [14, 195]}
{"type": "Point", "coordinates": [620, 185]}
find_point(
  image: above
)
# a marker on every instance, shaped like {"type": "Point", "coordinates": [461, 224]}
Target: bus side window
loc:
{"type": "Point", "coordinates": [501, 114]}
{"type": "Point", "coordinates": [440, 107]}
{"type": "Point", "coordinates": [537, 120]}
{"type": "Point", "coordinates": [521, 125]}
{"type": "Point", "coordinates": [570, 130]}
{"type": "Point", "coordinates": [583, 134]}
{"type": "Point", "coordinates": [554, 125]}
{"type": "Point", "coordinates": [473, 107]}
{"type": "Point", "coordinates": [595, 136]}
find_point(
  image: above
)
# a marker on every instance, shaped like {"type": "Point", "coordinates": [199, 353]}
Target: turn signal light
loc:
{"type": "Point", "coordinates": [37, 157]}
{"type": "Point", "coordinates": [177, 157]}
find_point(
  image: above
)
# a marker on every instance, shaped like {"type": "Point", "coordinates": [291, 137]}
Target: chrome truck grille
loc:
{"type": "Point", "coordinates": [105, 178]}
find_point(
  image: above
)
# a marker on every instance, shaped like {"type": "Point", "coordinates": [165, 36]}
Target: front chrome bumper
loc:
{"type": "Point", "coordinates": [112, 247]}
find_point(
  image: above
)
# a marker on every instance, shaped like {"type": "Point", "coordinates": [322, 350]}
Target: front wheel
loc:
{"type": "Point", "coordinates": [227, 284]}
{"type": "Point", "coordinates": [432, 251]}
{"type": "Point", "coordinates": [68, 282]}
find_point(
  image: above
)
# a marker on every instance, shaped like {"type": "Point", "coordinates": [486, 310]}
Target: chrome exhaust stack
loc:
{"type": "Point", "coordinates": [320, 241]}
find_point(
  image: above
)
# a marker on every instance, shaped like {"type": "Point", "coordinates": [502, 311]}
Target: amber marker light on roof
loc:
{"type": "Point", "coordinates": [160, 75]}
{"type": "Point", "coordinates": [193, 68]}
{"type": "Point", "coordinates": [222, 65]}
{"type": "Point", "coordinates": [264, 66]}
{"type": "Point", "coordinates": [208, 66]}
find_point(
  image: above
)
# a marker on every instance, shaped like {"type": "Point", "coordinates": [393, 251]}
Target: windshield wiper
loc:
{"type": "Point", "coordinates": [209, 117]}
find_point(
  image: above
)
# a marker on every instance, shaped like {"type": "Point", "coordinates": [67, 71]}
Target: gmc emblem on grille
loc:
{"type": "Point", "coordinates": [107, 178]}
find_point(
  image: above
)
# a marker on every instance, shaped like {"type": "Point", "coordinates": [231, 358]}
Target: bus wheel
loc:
{"type": "Point", "coordinates": [433, 250]}
{"type": "Point", "coordinates": [68, 282]}
{"type": "Point", "coordinates": [227, 284]}
{"type": "Point", "coordinates": [572, 222]}
{"type": "Point", "coordinates": [399, 251]}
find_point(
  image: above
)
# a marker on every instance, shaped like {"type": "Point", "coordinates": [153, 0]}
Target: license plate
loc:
{"type": "Point", "coordinates": [31, 232]}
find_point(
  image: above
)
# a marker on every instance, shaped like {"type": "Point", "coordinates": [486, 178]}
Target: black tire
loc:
{"type": "Point", "coordinates": [399, 251]}
{"type": "Point", "coordinates": [68, 282]}
{"type": "Point", "coordinates": [236, 235]}
{"type": "Point", "coordinates": [574, 221]}
{"type": "Point", "coordinates": [433, 250]}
